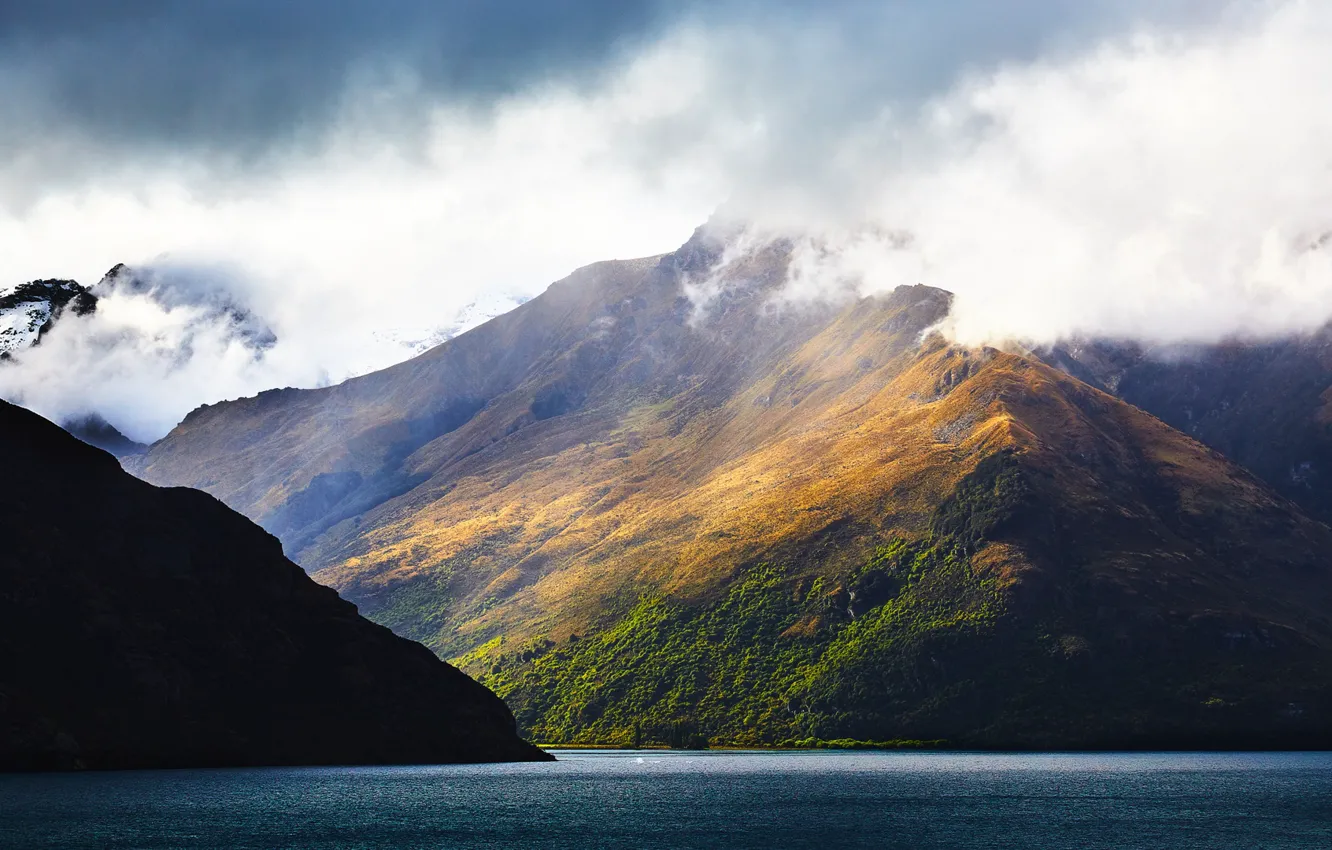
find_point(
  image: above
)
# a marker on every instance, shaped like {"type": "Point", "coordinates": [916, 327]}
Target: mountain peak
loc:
{"type": "Point", "coordinates": [29, 310]}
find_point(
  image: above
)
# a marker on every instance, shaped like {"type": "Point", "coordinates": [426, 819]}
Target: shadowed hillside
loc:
{"type": "Point", "coordinates": [143, 627]}
{"type": "Point", "coordinates": [641, 517]}
{"type": "Point", "coordinates": [1265, 405]}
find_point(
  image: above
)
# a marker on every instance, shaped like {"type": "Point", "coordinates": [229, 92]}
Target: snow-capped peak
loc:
{"type": "Point", "coordinates": [27, 310]}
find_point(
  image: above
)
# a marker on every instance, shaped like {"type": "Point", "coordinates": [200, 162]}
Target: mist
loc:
{"type": "Point", "coordinates": [1151, 171]}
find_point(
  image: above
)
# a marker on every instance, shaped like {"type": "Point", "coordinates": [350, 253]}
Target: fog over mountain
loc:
{"type": "Point", "coordinates": [1136, 169]}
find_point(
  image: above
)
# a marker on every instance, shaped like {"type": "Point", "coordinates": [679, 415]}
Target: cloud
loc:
{"type": "Point", "coordinates": [157, 336]}
{"type": "Point", "coordinates": [242, 87]}
{"type": "Point", "coordinates": [1162, 184]}
{"type": "Point", "coordinates": [352, 170]}
{"type": "Point", "coordinates": [246, 84]}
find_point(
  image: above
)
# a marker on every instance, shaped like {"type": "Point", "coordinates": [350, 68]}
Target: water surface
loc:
{"type": "Point", "coordinates": [656, 799]}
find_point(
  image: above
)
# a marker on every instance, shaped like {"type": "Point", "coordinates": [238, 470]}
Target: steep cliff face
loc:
{"type": "Point", "coordinates": [664, 502]}
{"type": "Point", "coordinates": [143, 627]}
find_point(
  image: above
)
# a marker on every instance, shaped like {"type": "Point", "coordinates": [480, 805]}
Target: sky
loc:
{"type": "Point", "coordinates": [353, 173]}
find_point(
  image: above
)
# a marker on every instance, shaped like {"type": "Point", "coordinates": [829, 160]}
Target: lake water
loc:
{"type": "Point", "coordinates": [713, 799]}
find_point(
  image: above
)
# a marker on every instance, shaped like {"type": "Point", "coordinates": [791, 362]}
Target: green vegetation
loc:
{"type": "Point", "coordinates": [927, 640]}
{"type": "Point", "coordinates": [777, 660]}
{"type": "Point", "coordinates": [415, 608]}
{"type": "Point", "coordinates": [853, 744]}
{"type": "Point", "coordinates": [791, 744]}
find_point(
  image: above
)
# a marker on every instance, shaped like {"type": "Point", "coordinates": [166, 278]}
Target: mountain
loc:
{"type": "Point", "coordinates": [96, 431]}
{"type": "Point", "coordinates": [143, 627]}
{"type": "Point", "coordinates": [1266, 405]}
{"type": "Point", "coordinates": [663, 502]}
{"type": "Point", "coordinates": [29, 310]}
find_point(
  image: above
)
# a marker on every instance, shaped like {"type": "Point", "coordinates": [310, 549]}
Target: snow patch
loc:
{"type": "Point", "coordinates": [21, 323]}
{"type": "Point", "coordinates": [420, 339]}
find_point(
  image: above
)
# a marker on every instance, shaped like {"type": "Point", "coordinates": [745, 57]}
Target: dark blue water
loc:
{"type": "Point", "coordinates": [657, 800]}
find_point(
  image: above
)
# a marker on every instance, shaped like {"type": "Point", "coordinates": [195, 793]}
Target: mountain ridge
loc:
{"type": "Point", "coordinates": [1264, 404]}
{"type": "Point", "coordinates": [147, 627]}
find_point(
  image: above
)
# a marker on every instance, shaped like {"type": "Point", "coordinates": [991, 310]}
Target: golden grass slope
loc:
{"type": "Point", "coordinates": [815, 464]}
{"type": "Point", "coordinates": [837, 441]}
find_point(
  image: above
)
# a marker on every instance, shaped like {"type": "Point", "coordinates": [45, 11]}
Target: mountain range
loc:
{"type": "Point", "coordinates": [645, 517]}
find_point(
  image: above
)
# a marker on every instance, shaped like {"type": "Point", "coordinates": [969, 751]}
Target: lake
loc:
{"type": "Point", "coordinates": [654, 799]}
